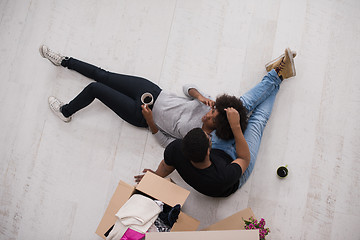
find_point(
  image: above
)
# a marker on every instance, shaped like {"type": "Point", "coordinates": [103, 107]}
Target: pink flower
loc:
{"type": "Point", "coordinates": [262, 221]}
{"type": "Point", "coordinates": [252, 223]}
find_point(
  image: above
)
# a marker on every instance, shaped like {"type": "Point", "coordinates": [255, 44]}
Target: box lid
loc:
{"type": "Point", "coordinates": [209, 235]}
{"type": "Point", "coordinates": [234, 222]}
{"type": "Point", "coordinates": [162, 189]}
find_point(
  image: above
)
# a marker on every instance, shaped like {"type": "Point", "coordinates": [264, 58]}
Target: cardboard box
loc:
{"type": "Point", "coordinates": [185, 228]}
{"type": "Point", "coordinates": [229, 228]}
{"type": "Point", "coordinates": [156, 187]}
{"type": "Point", "coordinates": [234, 222]}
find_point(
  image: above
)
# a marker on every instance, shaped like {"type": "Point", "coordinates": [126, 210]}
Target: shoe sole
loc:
{"type": "Point", "coordinates": [41, 52]}
{"type": "Point", "coordinates": [277, 59]}
{"type": "Point", "coordinates": [292, 61]}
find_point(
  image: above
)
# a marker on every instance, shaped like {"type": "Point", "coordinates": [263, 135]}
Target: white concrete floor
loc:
{"type": "Point", "coordinates": [56, 179]}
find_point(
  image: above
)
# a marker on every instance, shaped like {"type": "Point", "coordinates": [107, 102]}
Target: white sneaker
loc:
{"type": "Point", "coordinates": [55, 106]}
{"type": "Point", "coordinates": [53, 57]}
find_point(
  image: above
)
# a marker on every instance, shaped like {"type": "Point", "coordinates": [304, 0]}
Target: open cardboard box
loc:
{"type": "Point", "coordinates": [156, 187]}
{"type": "Point", "coordinates": [186, 226]}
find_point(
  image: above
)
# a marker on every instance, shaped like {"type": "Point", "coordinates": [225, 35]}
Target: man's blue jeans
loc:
{"type": "Point", "coordinates": [259, 102]}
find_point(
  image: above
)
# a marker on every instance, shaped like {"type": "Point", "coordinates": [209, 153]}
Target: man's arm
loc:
{"type": "Point", "coordinates": [163, 170]}
{"type": "Point", "coordinates": [242, 149]}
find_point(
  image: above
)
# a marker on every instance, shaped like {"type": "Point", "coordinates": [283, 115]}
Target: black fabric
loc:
{"type": "Point", "coordinates": [169, 215]}
{"type": "Point", "coordinates": [219, 180]}
{"type": "Point", "coordinates": [65, 62]}
{"type": "Point", "coordinates": [121, 93]}
{"type": "Point", "coordinates": [108, 231]}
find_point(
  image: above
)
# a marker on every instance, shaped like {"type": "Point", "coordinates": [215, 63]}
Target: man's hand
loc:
{"type": "Point", "coordinates": [139, 177]}
{"type": "Point", "coordinates": [163, 170]}
{"type": "Point", "coordinates": [233, 117]}
{"type": "Point", "coordinates": [241, 146]}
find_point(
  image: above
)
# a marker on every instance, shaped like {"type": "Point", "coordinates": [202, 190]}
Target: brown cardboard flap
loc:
{"type": "Point", "coordinates": [185, 223]}
{"type": "Point", "coordinates": [209, 235]}
{"type": "Point", "coordinates": [234, 222]}
{"type": "Point", "coordinates": [163, 190]}
{"type": "Point", "coordinates": [120, 196]}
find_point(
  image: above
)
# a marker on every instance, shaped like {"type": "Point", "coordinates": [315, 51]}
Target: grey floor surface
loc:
{"type": "Point", "coordinates": [56, 179]}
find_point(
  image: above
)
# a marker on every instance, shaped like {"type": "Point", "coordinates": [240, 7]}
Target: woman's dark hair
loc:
{"type": "Point", "coordinates": [223, 129]}
{"type": "Point", "coordinates": [195, 145]}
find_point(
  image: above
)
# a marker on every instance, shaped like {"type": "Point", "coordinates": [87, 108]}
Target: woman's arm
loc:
{"type": "Point", "coordinates": [161, 138]}
{"type": "Point", "coordinates": [193, 92]}
{"type": "Point", "coordinates": [147, 113]}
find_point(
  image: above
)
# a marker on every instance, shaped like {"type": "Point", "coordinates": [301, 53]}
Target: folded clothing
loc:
{"type": "Point", "coordinates": [138, 210]}
{"type": "Point", "coordinates": [138, 213]}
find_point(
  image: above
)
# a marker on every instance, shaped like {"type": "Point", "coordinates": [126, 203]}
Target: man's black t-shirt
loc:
{"type": "Point", "coordinates": [219, 180]}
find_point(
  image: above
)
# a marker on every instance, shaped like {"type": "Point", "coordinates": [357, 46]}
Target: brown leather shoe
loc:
{"type": "Point", "coordinates": [273, 63]}
{"type": "Point", "coordinates": [286, 67]}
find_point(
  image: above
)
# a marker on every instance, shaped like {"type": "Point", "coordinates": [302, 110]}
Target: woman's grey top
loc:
{"type": "Point", "coordinates": [175, 116]}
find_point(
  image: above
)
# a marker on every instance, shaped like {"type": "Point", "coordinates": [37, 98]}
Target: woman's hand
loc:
{"type": "Point", "coordinates": [147, 113]}
{"type": "Point", "coordinates": [206, 101]}
{"type": "Point", "coordinates": [196, 94]}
